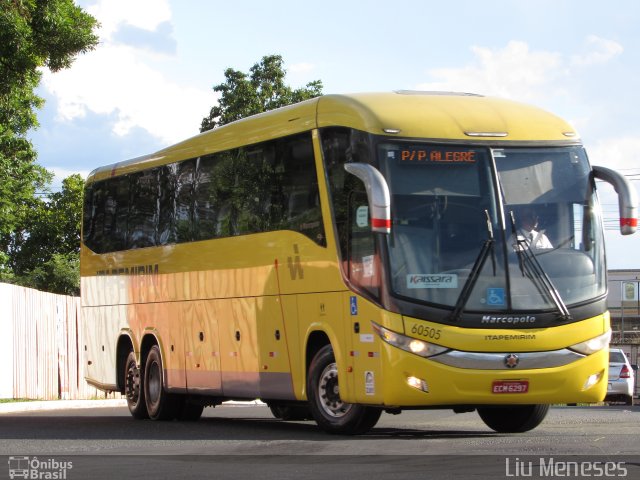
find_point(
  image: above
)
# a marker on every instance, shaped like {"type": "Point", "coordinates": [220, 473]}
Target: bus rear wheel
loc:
{"type": "Point", "coordinates": [133, 388]}
{"type": "Point", "coordinates": [187, 411]}
{"type": "Point", "coordinates": [513, 418]}
{"type": "Point", "coordinates": [329, 411]}
{"type": "Point", "coordinates": [161, 405]}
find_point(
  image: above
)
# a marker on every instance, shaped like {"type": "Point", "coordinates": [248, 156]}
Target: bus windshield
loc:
{"type": "Point", "coordinates": [530, 236]}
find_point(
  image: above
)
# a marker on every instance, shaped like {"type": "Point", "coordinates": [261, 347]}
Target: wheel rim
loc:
{"type": "Point", "coordinates": [329, 393]}
{"type": "Point", "coordinates": [154, 383]}
{"type": "Point", "coordinates": [133, 384]}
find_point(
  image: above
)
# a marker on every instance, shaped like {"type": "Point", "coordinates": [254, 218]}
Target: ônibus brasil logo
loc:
{"type": "Point", "coordinates": [34, 468]}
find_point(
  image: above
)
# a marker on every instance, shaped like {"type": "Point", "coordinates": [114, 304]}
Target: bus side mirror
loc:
{"type": "Point", "coordinates": [627, 198]}
{"type": "Point", "coordinates": [377, 195]}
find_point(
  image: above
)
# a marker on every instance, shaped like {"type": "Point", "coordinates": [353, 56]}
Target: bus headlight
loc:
{"type": "Point", "coordinates": [593, 345]}
{"type": "Point", "coordinates": [408, 344]}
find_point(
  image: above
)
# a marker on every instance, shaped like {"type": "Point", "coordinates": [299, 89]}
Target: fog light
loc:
{"type": "Point", "coordinates": [592, 380]}
{"type": "Point", "coordinates": [418, 383]}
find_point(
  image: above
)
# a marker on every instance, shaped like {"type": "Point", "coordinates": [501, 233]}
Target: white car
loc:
{"type": "Point", "coordinates": [621, 378]}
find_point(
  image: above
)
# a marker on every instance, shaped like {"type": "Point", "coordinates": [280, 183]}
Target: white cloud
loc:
{"type": "Point", "coordinates": [144, 14]}
{"type": "Point", "coordinates": [518, 72]}
{"type": "Point", "coordinates": [118, 80]}
{"type": "Point", "coordinates": [511, 72]}
{"type": "Point", "coordinates": [601, 51]}
{"type": "Point", "coordinates": [60, 173]}
{"type": "Point", "coordinates": [618, 153]}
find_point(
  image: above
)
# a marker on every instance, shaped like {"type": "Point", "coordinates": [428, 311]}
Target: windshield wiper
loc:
{"type": "Point", "coordinates": [487, 247]}
{"type": "Point", "coordinates": [531, 268]}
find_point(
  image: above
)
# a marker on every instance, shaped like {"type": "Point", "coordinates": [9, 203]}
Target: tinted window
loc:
{"type": "Point", "coordinates": [360, 259]}
{"type": "Point", "coordinates": [143, 209]}
{"type": "Point", "coordinates": [261, 188]}
{"type": "Point", "coordinates": [185, 201]}
{"type": "Point", "coordinates": [296, 201]}
{"type": "Point", "coordinates": [204, 199]}
{"type": "Point", "coordinates": [166, 231]}
{"type": "Point", "coordinates": [116, 211]}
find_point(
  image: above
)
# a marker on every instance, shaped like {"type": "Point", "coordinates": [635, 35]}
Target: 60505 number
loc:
{"type": "Point", "coordinates": [425, 331]}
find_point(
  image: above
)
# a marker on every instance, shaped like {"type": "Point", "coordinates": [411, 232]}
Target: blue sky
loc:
{"type": "Point", "coordinates": [149, 83]}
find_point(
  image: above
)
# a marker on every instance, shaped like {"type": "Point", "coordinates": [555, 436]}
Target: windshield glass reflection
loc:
{"type": "Point", "coordinates": [444, 210]}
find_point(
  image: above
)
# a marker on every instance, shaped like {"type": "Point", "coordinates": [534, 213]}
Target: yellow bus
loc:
{"type": "Point", "coordinates": [352, 255]}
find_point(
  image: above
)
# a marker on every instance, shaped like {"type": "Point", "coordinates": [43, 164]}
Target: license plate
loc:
{"type": "Point", "coordinates": [510, 386]}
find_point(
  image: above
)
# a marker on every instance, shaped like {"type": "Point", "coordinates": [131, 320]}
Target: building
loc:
{"type": "Point", "coordinates": [624, 304]}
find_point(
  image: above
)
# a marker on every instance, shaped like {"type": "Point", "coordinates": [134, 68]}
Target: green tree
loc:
{"type": "Point", "coordinates": [260, 90]}
{"type": "Point", "coordinates": [48, 242]}
{"type": "Point", "coordinates": [33, 34]}
{"type": "Point", "coordinates": [59, 274]}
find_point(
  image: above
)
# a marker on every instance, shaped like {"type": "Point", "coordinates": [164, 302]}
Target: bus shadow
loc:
{"type": "Point", "coordinates": [413, 434]}
{"type": "Point", "coordinates": [79, 428]}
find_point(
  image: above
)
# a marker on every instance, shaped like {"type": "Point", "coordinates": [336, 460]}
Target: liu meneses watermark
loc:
{"type": "Point", "coordinates": [553, 468]}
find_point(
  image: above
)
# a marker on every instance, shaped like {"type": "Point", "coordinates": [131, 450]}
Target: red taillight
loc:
{"type": "Point", "coordinates": [624, 373]}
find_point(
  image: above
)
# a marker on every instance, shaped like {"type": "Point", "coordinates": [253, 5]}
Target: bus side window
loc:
{"type": "Point", "coordinates": [298, 198]}
{"type": "Point", "coordinates": [166, 229]}
{"type": "Point", "coordinates": [93, 217]}
{"type": "Point", "coordinates": [184, 201]}
{"type": "Point", "coordinates": [116, 212]}
{"type": "Point", "coordinates": [204, 208]}
{"type": "Point", "coordinates": [143, 214]}
{"type": "Point", "coordinates": [359, 258]}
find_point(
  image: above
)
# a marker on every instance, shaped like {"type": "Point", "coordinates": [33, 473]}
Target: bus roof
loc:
{"type": "Point", "coordinates": [438, 116]}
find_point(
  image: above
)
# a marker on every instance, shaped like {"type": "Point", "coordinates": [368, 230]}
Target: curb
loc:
{"type": "Point", "coordinates": [45, 405]}
{"type": "Point", "coordinates": [49, 405]}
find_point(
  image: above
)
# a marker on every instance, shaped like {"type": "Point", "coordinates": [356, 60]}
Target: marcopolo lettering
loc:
{"type": "Point", "coordinates": [491, 319]}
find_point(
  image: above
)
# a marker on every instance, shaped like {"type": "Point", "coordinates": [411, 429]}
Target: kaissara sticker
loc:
{"type": "Point", "coordinates": [428, 280]}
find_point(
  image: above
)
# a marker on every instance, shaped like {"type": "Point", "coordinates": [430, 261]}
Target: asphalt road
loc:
{"type": "Point", "coordinates": [247, 442]}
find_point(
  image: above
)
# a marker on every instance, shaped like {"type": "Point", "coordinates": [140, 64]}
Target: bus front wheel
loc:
{"type": "Point", "coordinates": [513, 418]}
{"type": "Point", "coordinates": [329, 411]}
{"type": "Point", "coordinates": [133, 388]}
{"type": "Point", "coordinates": [161, 405]}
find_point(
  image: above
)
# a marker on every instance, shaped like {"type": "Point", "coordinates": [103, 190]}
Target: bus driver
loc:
{"type": "Point", "coordinates": [529, 233]}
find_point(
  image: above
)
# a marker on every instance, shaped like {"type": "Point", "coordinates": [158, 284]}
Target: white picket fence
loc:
{"type": "Point", "coordinates": [40, 346]}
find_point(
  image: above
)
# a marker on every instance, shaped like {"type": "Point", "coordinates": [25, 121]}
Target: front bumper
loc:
{"type": "Point", "coordinates": [581, 380]}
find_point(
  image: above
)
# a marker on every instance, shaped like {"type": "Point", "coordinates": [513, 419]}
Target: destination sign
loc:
{"type": "Point", "coordinates": [437, 155]}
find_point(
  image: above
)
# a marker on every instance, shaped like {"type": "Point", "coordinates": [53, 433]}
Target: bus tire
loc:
{"type": "Point", "coordinates": [330, 413]}
{"type": "Point", "coordinates": [189, 412]}
{"type": "Point", "coordinates": [513, 418]}
{"type": "Point", "coordinates": [133, 388]}
{"type": "Point", "coordinates": [161, 405]}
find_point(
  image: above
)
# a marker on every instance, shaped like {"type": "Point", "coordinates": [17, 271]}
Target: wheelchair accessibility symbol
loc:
{"type": "Point", "coordinates": [495, 297]}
